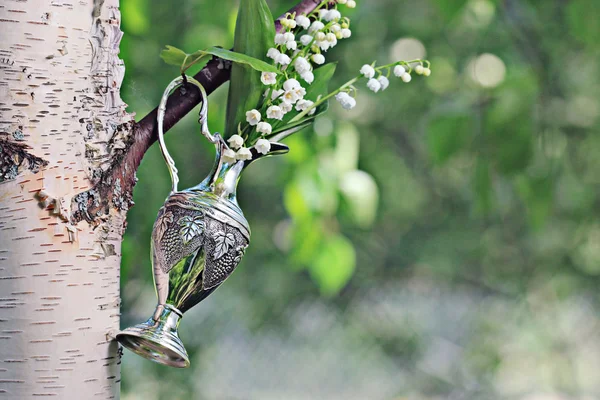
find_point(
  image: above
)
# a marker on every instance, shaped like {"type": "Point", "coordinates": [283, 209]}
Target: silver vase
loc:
{"type": "Point", "coordinates": [198, 239]}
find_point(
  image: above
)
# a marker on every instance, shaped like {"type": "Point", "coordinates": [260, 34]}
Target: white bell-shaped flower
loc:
{"type": "Point", "coordinates": [367, 71]}
{"type": "Point", "coordinates": [275, 112]}
{"type": "Point", "coordinates": [253, 117]}
{"type": "Point", "coordinates": [243, 154]}
{"type": "Point", "coordinates": [235, 141]}
{"type": "Point", "coordinates": [228, 156]}
{"type": "Point", "coordinates": [264, 128]}
{"type": "Point", "coordinates": [268, 78]}
{"type": "Point", "coordinates": [262, 146]}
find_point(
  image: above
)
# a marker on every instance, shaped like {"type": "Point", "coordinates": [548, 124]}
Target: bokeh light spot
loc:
{"type": "Point", "coordinates": [488, 70]}
{"type": "Point", "coordinates": [407, 49]}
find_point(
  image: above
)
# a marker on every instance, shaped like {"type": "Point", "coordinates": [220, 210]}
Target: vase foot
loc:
{"type": "Point", "coordinates": [157, 341]}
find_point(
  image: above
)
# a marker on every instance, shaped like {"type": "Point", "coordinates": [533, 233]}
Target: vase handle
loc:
{"type": "Point", "coordinates": [202, 119]}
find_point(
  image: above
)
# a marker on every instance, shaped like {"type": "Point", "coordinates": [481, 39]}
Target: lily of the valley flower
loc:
{"type": "Point", "coordinates": [301, 92]}
{"type": "Point", "coordinates": [288, 37]}
{"type": "Point", "coordinates": [262, 146]}
{"type": "Point", "coordinates": [243, 154]}
{"type": "Point", "coordinates": [228, 156]}
{"type": "Point", "coordinates": [316, 26]}
{"type": "Point", "coordinates": [264, 127]}
{"type": "Point", "coordinates": [276, 94]}
{"type": "Point", "coordinates": [308, 77]}
{"type": "Point", "coordinates": [275, 112]}
{"type": "Point", "coordinates": [384, 81]}
{"type": "Point", "coordinates": [318, 58]}
{"type": "Point", "coordinates": [285, 107]}
{"type": "Point", "coordinates": [280, 38]}
{"type": "Point", "coordinates": [235, 141]}
{"type": "Point", "coordinates": [305, 40]}
{"type": "Point", "coordinates": [333, 15]}
{"type": "Point", "coordinates": [291, 45]}
{"type": "Point", "coordinates": [283, 59]}
{"type": "Point", "coordinates": [406, 77]}
{"type": "Point", "coordinates": [351, 4]}
{"type": "Point", "coordinates": [253, 117]}
{"type": "Point", "coordinates": [301, 65]}
{"type": "Point", "coordinates": [291, 84]}
{"type": "Point", "coordinates": [273, 53]}
{"type": "Point", "coordinates": [302, 105]}
{"type": "Point", "coordinates": [367, 71]}
{"type": "Point", "coordinates": [374, 85]}
{"type": "Point", "coordinates": [290, 96]}
{"type": "Point", "coordinates": [399, 70]}
{"type": "Point", "coordinates": [288, 23]}
{"type": "Point", "coordinates": [347, 101]}
{"type": "Point", "coordinates": [303, 21]}
{"type": "Point", "coordinates": [268, 78]}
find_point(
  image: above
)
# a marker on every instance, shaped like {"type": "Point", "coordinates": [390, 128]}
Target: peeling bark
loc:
{"type": "Point", "coordinates": [15, 158]}
{"type": "Point", "coordinates": [65, 126]}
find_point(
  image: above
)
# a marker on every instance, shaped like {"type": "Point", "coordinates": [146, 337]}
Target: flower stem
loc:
{"type": "Point", "coordinates": [324, 99]}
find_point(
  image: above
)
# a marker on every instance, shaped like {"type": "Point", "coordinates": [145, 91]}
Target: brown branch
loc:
{"type": "Point", "coordinates": [213, 75]}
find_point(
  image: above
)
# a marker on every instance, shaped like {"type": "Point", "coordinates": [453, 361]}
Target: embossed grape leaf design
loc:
{"type": "Point", "coordinates": [223, 242]}
{"type": "Point", "coordinates": [164, 221]}
{"type": "Point", "coordinates": [190, 227]}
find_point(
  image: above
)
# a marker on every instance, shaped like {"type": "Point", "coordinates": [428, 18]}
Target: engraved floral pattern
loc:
{"type": "Point", "coordinates": [190, 227]}
{"type": "Point", "coordinates": [163, 223]}
{"type": "Point", "coordinates": [223, 242]}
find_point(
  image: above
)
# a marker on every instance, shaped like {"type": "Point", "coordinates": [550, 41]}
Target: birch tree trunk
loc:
{"type": "Point", "coordinates": [63, 128]}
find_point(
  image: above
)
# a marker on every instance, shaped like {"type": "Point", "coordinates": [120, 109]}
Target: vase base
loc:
{"type": "Point", "coordinates": [157, 342]}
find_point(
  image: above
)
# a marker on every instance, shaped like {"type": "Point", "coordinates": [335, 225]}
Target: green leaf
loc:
{"type": "Point", "coordinates": [254, 35]}
{"type": "Point", "coordinates": [240, 58]}
{"type": "Point", "coordinates": [334, 265]}
{"type": "Point", "coordinates": [319, 87]}
{"type": "Point", "coordinates": [173, 56]}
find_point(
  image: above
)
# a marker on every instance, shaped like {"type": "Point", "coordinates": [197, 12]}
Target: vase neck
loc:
{"type": "Point", "coordinates": [224, 177]}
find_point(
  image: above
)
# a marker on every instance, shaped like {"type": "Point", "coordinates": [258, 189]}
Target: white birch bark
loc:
{"type": "Point", "coordinates": [61, 121]}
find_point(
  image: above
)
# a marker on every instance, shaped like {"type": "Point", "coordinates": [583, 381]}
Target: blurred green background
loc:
{"type": "Point", "coordinates": [440, 241]}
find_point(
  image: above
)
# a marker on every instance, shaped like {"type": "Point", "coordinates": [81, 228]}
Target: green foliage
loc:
{"type": "Point", "coordinates": [174, 56]}
{"type": "Point", "coordinates": [254, 33]}
{"type": "Point", "coordinates": [447, 135]}
{"type": "Point", "coordinates": [334, 265]}
{"type": "Point", "coordinates": [478, 248]}
{"type": "Point", "coordinates": [585, 29]}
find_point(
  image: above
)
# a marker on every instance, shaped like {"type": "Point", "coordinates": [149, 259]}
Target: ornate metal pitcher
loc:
{"type": "Point", "coordinates": [198, 239]}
